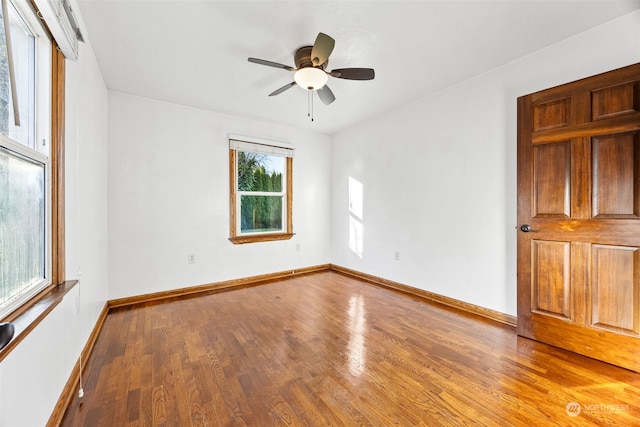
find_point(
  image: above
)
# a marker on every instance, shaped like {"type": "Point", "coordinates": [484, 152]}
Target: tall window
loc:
{"type": "Point", "coordinates": [25, 189]}
{"type": "Point", "coordinates": [261, 186]}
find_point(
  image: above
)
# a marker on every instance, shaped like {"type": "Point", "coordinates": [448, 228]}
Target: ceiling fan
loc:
{"type": "Point", "coordinates": [310, 70]}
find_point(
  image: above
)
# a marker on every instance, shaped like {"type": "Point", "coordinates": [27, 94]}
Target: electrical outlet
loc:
{"type": "Point", "coordinates": [297, 247]}
{"type": "Point", "coordinates": [396, 255]}
{"type": "Point", "coordinates": [191, 258]}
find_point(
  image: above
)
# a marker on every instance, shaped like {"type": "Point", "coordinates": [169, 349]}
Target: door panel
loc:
{"type": "Point", "coordinates": [615, 101]}
{"type": "Point", "coordinates": [579, 192]}
{"type": "Point", "coordinates": [552, 114]}
{"type": "Point", "coordinates": [615, 288]}
{"type": "Point", "coordinates": [615, 176]}
{"type": "Point", "coordinates": [551, 285]}
{"type": "Point", "coordinates": [551, 177]}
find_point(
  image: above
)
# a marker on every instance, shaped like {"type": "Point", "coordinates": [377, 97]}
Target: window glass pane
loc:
{"type": "Point", "coordinates": [23, 42]}
{"type": "Point", "coordinates": [260, 214]}
{"type": "Point", "coordinates": [22, 227]}
{"type": "Point", "coordinates": [260, 172]}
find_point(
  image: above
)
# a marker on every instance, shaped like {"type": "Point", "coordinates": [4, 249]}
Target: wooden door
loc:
{"type": "Point", "coordinates": [579, 216]}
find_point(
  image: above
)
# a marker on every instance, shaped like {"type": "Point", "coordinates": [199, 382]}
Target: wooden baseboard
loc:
{"type": "Point", "coordinates": [213, 287]}
{"type": "Point", "coordinates": [430, 296]}
{"type": "Point", "coordinates": [264, 278]}
{"type": "Point", "coordinates": [73, 382]}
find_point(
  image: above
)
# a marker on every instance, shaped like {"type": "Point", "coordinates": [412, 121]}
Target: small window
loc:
{"type": "Point", "coordinates": [261, 184]}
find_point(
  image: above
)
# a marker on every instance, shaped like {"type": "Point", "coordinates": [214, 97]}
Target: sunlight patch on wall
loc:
{"type": "Point", "coordinates": [356, 208]}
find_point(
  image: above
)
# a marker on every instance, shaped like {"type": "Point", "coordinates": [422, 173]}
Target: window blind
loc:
{"type": "Point", "coordinates": [260, 147]}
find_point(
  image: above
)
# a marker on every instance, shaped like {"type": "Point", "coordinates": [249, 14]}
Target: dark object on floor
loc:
{"type": "Point", "coordinates": [6, 333]}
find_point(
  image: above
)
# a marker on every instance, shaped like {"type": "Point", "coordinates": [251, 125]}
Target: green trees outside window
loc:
{"type": "Point", "coordinates": [260, 187]}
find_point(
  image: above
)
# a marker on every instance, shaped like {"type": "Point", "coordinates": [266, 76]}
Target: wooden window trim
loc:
{"type": "Point", "coordinates": [233, 200]}
{"type": "Point", "coordinates": [57, 166]}
{"type": "Point", "coordinates": [30, 314]}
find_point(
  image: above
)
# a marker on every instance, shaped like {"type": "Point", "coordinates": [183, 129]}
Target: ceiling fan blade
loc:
{"type": "Point", "coordinates": [354, 73]}
{"type": "Point", "coordinates": [282, 89]}
{"type": "Point", "coordinates": [322, 48]}
{"type": "Point", "coordinates": [270, 64]}
{"type": "Point", "coordinates": [326, 95]}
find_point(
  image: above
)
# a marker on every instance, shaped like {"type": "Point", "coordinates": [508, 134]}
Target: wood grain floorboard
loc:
{"type": "Point", "coordinates": [325, 349]}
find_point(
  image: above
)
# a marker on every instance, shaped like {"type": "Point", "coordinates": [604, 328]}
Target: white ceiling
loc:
{"type": "Point", "coordinates": [195, 53]}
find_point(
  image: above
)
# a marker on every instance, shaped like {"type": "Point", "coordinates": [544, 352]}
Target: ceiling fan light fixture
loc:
{"type": "Point", "coordinates": [310, 78]}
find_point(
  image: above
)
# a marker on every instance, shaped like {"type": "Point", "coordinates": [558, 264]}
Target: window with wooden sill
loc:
{"type": "Point", "coordinates": [261, 189]}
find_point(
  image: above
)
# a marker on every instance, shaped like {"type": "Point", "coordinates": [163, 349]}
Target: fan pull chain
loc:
{"type": "Point", "coordinates": [310, 104]}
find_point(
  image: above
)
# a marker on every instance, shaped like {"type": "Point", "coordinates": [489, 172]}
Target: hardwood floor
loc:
{"type": "Point", "coordinates": [327, 350]}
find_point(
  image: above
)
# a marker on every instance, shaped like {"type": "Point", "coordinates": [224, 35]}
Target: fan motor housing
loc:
{"type": "Point", "coordinates": [302, 58]}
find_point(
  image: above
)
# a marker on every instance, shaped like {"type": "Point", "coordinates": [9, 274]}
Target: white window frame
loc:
{"type": "Point", "coordinates": [282, 195]}
{"type": "Point", "coordinates": [42, 134]}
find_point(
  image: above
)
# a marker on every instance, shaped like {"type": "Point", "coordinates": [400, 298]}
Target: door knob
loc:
{"type": "Point", "coordinates": [526, 228]}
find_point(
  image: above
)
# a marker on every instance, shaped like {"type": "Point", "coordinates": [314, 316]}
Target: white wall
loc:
{"type": "Point", "coordinates": [439, 175]}
{"type": "Point", "coordinates": [169, 197]}
{"type": "Point", "coordinates": [86, 186]}
{"type": "Point", "coordinates": [35, 372]}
